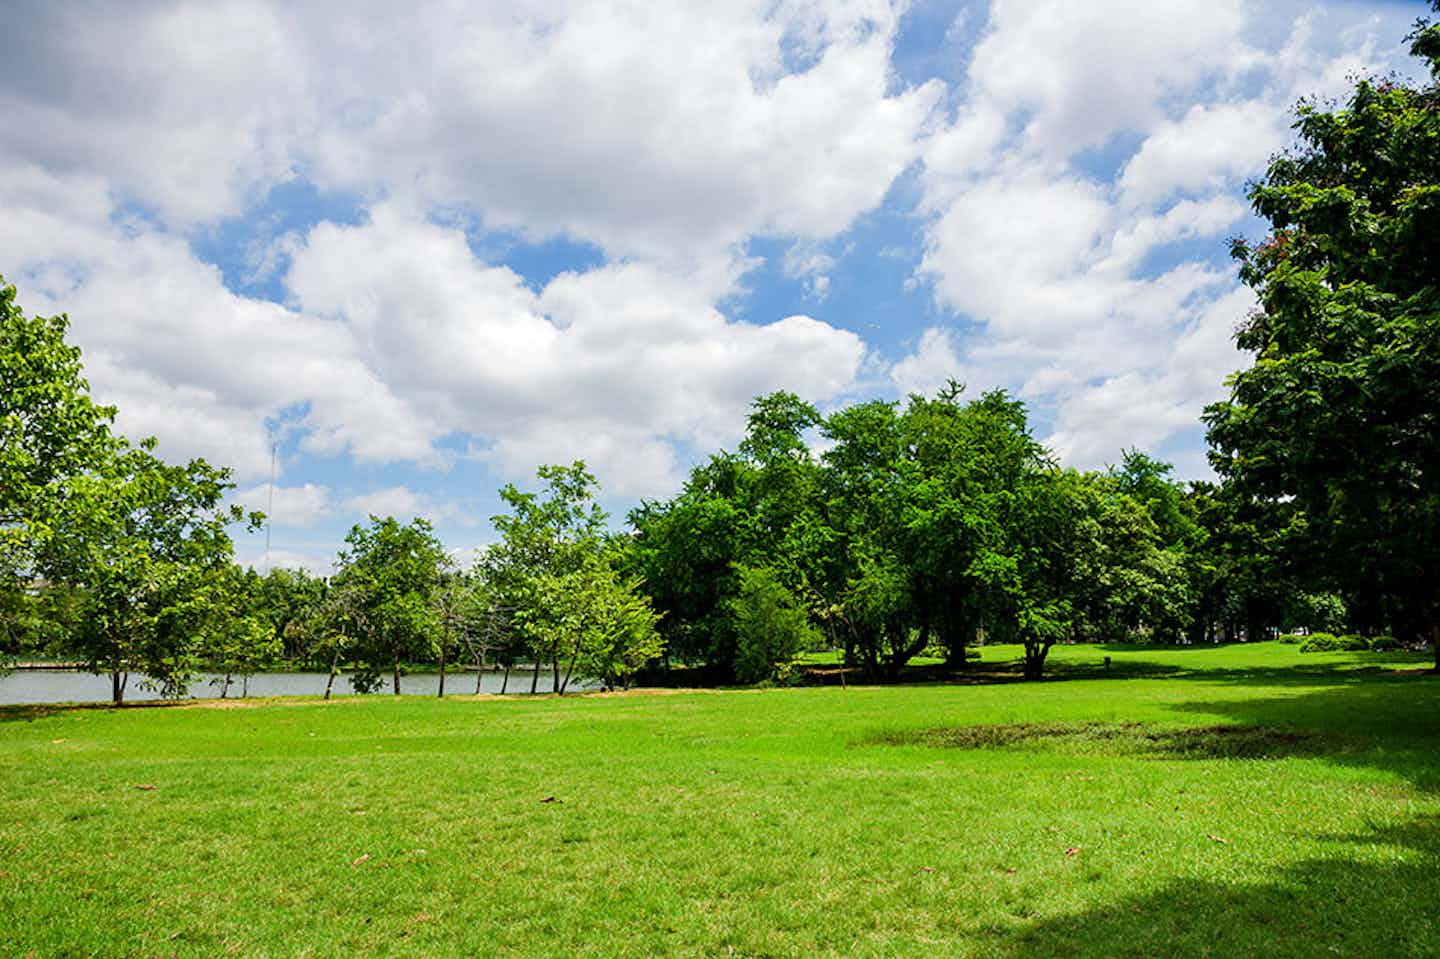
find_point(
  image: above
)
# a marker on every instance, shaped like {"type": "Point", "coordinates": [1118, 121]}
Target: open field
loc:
{"type": "Point", "coordinates": [1267, 803]}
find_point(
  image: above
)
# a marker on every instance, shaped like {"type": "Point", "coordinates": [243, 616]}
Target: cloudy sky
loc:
{"type": "Point", "coordinates": [423, 248]}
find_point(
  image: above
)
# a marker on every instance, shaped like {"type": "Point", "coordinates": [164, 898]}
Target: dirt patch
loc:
{"type": "Point", "coordinates": [1135, 739]}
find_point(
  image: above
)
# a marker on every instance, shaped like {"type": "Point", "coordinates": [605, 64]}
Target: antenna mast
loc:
{"type": "Point", "coordinates": [270, 507]}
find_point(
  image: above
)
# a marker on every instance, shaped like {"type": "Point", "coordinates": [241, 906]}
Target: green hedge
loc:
{"type": "Point", "coordinates": [1328, 643]}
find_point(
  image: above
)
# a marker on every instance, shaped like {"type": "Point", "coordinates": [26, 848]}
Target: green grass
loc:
{"type": "Point", "coordinates": [1205, 802]}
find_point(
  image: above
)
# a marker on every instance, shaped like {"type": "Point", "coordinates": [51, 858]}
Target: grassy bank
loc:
{"type": "Point", "coordinates": [1094, 815]}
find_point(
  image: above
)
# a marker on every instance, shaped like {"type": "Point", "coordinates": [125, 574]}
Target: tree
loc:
{"type": "Point", "coordinates": [237, 638]}
{"type": "Point", "coordinates": [1338, 419]}
{"type": "Point", "coordinates": [772, 627]}
{"type": "Point", "coordinates": [544, 537]}
{"type": "Point", "coordinates": [50, 432]}
{"type": "Point", "coordinates": [389, 575]}
{"type": "Point", "coordinates": [147, 543]}
{"type": "Point", "coordinates": [603, 626]}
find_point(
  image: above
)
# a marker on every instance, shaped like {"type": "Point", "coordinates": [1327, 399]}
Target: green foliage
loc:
{"type": "Point", "coordinates": [50, 433]}
{"type": "Point", "coordinates": [1316, 612]}
{"type": "Point", "coordinates": [772, 628]}
{"type": "Point", "coordinates": [1334, 425]}
{"type": "Point", "coordinates": [147, 544]}
{"type": "Point", "coordinates": [1330, 643]}
{"type": "Point", "coordinates": [386, 580]}
{"type": "Point", "coordinates": [235, 638]}
{"type": "Point", "coordinates": [602, 625]}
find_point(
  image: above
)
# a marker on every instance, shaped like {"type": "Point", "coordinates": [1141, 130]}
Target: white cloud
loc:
{"type": "Point", "coordinates": [934, 362]}
{"type": "Point", "coordinates": [610, 366]}
{"type": "Point", "coordinates": [401, 502]}
{"type": "Point", "coordinates": [303, 505]}
{"type": "Point", "coordinates": [1087, 297]}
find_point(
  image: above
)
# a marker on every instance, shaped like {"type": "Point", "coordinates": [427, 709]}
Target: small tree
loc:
{"type": "Point", "coordinates": [236, 639]}
{"type": "Point", "coordinates": [603, 626]}
{"type": "Point", "coordinates": [772, 627]}
{"type": "Point", "coordinates": [389, 575]}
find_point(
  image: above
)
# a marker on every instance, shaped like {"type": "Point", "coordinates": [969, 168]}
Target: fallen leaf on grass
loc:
{"type": "Point", "coordinates": [1073, 851]}
{"type": "Point", "coordinates": [551, 799]}
{"type": "Point", "coordinates": [145, 786]}
{"type": "Point", "coordinates": [1223, 842]}
{"type": "Point", "coordinates": [927, 868]}
{"type": "Point", "coordinates": [57, 741]}
{"type": "Point", "coordinates": [364, 857]}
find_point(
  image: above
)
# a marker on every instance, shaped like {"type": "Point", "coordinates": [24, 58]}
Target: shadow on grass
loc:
{"type": "Point", "coordinates": [1372, 898]}
{"type": "Point", "coordinates": [1127, 739]}
{"type": "Point", "coordinates": [29, 712]}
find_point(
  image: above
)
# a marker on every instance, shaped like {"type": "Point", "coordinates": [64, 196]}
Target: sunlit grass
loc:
{"type": "Point", "coordinates": [820, 821]}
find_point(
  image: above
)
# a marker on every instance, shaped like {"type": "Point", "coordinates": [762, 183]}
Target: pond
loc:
{"type": "Point", "coordinates": [74, 686]}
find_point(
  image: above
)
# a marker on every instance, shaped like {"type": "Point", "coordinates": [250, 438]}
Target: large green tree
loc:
{"type": "Point", "coordinates": [1338, 418]}
{"type": "Point", "coordinates": [51, 431]}
{"type": "Point", "coordinates": [147, 544]}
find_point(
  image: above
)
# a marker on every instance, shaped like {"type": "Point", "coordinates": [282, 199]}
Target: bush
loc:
{"type": "Point", "coordinates": [1291, 638]}
{"type": "Point", "coordinates": [771, 627]}
{"type": "Point", "coordinates": [1385, 644]}
{"type": "Point", "coordinates": [1326, 643]}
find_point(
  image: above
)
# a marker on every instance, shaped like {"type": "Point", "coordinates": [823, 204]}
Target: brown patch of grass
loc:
{"type": "Point", "coordinates": [1224, 741]}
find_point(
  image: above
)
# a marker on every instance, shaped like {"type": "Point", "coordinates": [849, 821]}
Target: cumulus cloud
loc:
{"type": "Point", "coordinates": [1089, 294]}
{"type": "Point", "coordinates": [303, 505]}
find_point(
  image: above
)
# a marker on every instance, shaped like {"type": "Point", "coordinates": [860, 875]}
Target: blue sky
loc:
{"type": "Point", "coordinates": [422, 254]}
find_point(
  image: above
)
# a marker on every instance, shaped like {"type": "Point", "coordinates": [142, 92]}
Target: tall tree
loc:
{"type": "Point", "coordinates": [1339, 417]}
{"type": "Point", "coordinates": [51, 431]}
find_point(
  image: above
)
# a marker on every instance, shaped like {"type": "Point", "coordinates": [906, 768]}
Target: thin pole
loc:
{"type": "Point", "coordinates": [270, 507]}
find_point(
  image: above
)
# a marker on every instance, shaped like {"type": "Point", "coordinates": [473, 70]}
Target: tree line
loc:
{"type": "Point", "coordinates": [884, 530]}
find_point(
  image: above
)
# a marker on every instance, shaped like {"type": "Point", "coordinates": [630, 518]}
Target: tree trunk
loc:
{"type": "Point", "coordinates": [245, 686]}
{"type": "Point", "coordinates": [1435, 643]}
{"type": "Point", "coordinates": [225, 687]}
{"type": "Point", "coordinates": [334, 668]}
{"type": "Point", "coordinates": [441, 693]}
{"type": "Point", "coordinates": [555, 670]}
{"type": "Point", "coordinates": [396, 666]}
{"type": "Point", "coordinates": [535, 677]}
{"type": "Point", "coordinates": [117, 688]}
{"type": "Point", "coordinates": [1035, 659]}
{"type": "Point", "coordinates": [505, 681]}
{"type": "Point", "coordinates": [479, 676]}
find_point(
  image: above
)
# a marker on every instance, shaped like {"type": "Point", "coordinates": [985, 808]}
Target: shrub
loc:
{"type": "Point", "coordinates": [1291, 638]}
{"type": "Point", "coordinates": [771, 627]}
{"type": "Point", "coordinates": [1385, 644]}
{"type": "Point", "coordinates": [1326, 643]}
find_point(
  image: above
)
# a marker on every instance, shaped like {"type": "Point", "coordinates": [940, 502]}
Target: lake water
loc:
{"type": "Point", "coordinates": [72, 686]}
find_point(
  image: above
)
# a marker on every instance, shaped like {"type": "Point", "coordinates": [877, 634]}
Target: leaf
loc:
{"type": "Point", "coordinates": [146, 787]}
{"type": "Point", "coordinates": [364, 857]}
{"type": "Point", "coordinates": [1213, 838]}
{"type": "Point", "coordinates": [1073, 851]}
{"type": "Point", "coordinates": [551, 799]}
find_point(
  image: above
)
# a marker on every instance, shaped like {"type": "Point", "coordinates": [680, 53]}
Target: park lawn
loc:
{"type": "Point", "coordinates": [866, 821]}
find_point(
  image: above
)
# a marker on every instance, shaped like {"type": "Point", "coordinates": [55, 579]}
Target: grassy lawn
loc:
{"type": "Point", "coordinates": [1119, 815]}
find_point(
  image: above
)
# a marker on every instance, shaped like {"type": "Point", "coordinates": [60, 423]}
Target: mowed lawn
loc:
{"type": "Point", "coordinates": [868, 821]}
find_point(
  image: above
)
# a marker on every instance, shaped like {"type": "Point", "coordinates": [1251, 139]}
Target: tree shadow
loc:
{"type": "Point", "coordinates": [29, 712]}
{"type": "Point", "coordinates": [1353, 903]}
